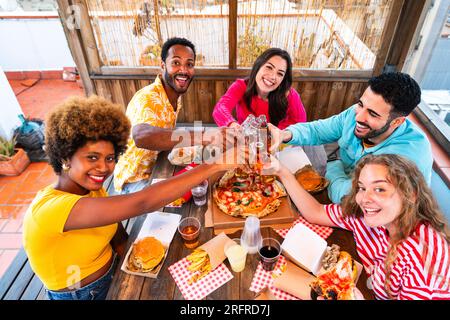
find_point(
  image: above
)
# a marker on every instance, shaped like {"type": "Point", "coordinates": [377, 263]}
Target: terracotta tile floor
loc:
{"type": "Point", "coordinates": [16, 193]}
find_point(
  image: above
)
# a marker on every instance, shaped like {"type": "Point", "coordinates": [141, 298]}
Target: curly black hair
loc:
{"type": "Point", "coordinates": [399, 90]}
{"type": "Point", "coordinates": [79, 120]}
{"type": "Point", "coordinates": [174, 41]}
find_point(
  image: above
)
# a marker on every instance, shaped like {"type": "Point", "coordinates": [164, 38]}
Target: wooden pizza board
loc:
{"type": "Point", "coordinates": [214, 217]}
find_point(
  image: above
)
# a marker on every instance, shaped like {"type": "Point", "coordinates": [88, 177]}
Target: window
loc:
{"type": "Point", "coordinates": [426, 65]}
{"type": "Point", "coordinates": [129, 33]}
{"type": "Point", "coordinates": [333, 34]}
{"type": "Point", "coordinates": [317, 34]}
{"type": "Point", "coordinates": [434, 113]}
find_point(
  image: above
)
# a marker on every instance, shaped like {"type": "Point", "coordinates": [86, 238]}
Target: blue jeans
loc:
{"type": "Point", "coordinates": [96, 290]}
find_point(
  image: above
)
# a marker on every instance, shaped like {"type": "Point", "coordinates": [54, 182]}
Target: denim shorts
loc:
{"type": "Point", "coordinates": [96, 290]}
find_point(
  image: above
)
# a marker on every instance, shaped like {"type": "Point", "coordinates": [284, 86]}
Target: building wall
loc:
{"type": "Point", "coordinates": [33, 44]}
{"type": "Point", "coordinates": [437, 74]}
{"type": "Point", "coordinates": [9, 108]}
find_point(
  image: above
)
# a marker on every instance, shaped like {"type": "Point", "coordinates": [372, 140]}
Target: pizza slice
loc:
{"type": "Point", "coordinates": [338, 282]}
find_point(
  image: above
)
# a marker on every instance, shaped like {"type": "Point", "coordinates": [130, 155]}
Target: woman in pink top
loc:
{"type": "Point", "coordinates": [401, 236]}
{"type": "Point", "coordinates": [266, 91]}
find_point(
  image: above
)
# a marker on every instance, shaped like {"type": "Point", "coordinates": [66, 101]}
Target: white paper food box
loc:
{"type": "Point", "coordinates": [162, 226]}
{"type": "Point", "coordinates": [293, 158]}
{"type": "Point", "coordinates": [304, 247]}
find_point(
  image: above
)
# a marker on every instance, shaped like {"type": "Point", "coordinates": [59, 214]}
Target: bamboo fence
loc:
{"type": "Point", "coordinates": [318, 34]}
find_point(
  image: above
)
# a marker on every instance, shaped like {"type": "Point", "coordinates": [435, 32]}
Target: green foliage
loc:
{"type": "Point", "coordinates": [250, 47]}
{"type": "Point", "coordinates": [7, 148]}
{"type": "Point", "coordinates": [150, 55]}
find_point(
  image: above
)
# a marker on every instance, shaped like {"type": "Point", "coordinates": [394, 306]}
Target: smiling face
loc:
{"type": "Point", "coordinates": [378, 198]}
{"type": "Point", "coordinates": [373, 118]}
{"type": "Point", "coordinates": [270, 75]}
{"type": "Point", "coordinates": [178, 69]}
{"type": "Point", "coordinates": [89, 167]}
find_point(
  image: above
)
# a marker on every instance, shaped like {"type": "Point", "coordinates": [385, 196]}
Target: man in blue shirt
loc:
{"type": "Point", "coordinates": [377, 124]}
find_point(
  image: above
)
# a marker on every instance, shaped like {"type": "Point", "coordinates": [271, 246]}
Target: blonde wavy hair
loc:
{"type": "Point", "coordinates": [418, 202]}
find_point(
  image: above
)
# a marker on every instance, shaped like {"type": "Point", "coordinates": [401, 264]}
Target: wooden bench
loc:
{"type": "Point", "coordinates": [19, 282]}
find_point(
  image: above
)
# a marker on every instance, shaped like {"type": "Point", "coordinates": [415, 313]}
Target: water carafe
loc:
{"type": "Point", "coordinates": [251, 235]}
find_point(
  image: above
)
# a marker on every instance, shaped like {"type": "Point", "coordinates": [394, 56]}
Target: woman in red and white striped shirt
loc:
{"type": "Point", "coordinates": [401, 236]}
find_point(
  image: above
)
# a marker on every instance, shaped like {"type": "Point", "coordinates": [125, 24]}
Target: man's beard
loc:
{"type": "Point", "coordinates": [375, 133]}
{"type": "Point", "coordinates": [170, 80]}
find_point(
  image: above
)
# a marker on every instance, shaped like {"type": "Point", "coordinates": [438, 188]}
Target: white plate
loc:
{"type": "Point", "coordinates": [162, 226]}
{"type": "Point", "coordinates": [190, 155]}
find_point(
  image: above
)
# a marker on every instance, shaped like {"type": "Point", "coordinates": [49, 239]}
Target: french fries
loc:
{"type": "Point", "coordinates": [200, 265]}
{"type": "Point", "coordinates": [178, 202]}
{"type": "Point", "coordinates": [279, 271]}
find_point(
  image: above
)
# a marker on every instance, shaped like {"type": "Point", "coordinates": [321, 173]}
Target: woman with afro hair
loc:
{"type": "Point", "coordinates": [72, 229]}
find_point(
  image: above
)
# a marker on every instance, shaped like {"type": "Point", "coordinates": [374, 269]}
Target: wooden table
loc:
{"type": "Point", "coordinates": [130, 287]}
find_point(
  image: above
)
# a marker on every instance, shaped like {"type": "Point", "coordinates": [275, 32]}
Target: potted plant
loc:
{"type": "Point", "coordinates": [13, 161]}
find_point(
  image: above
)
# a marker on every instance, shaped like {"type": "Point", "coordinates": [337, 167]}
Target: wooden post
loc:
{"type": "Point", "coordinates": [157, 23]}
{"type": "Point", "coordinates": [232, 34]}
{"type": "Point", "coordinates": [103, 89]}
{"type": "Point", "coordinates": [69, 23]}
{"type": "Point", "coordinates": [409, 20]}
{"type": "Point", "coordinates": [386, 37]}
{"type": "Point", "coordinates": [87, 37]}
{"type": "Point", "coordinates": [398, 34]}
{"type": "Point", "coordinates": [91, 48]}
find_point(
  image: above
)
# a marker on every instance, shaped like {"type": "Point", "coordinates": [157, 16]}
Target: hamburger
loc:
{"type": "Point", "coordinates": [145, 255]}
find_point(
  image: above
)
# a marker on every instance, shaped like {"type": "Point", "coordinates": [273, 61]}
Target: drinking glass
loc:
{"type": "Point", "coordinates": [269, 252]}
{"type": "Point", "coordinates": [189, 229]}
{"type": "Point", "coordinates": [236, 255]}
{"type": "Point", "coordinates": [199, 193]}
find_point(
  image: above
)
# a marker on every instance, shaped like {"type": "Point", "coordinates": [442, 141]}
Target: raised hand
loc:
{"type": "Point", "coordinates": [234, 125]}
{"type": "Point", "coordinates": [221, 139]}
{"type": "Point", "coordinates": [277, 137]}
{"type": "Point", "coordinates": [236, 157]}
{"type": "Point", "coordinates": [272, 167]}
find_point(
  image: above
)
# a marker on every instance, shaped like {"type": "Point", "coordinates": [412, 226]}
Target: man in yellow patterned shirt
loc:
{"type": "Point", "coordinates": [153, 114]}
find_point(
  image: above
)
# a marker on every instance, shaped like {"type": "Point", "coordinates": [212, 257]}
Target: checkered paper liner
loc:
{"type": "Point", "coordinates": [204, 286]}
{"type": "Point", "coordinates": [263, 279]}
{"type": "Point", "coordinates": [322, 231]}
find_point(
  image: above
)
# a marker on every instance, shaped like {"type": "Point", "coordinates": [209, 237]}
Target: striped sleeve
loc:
{"type": "Point", "coordinates": [334, 212]}
{"type": "Point", "coordinates": [427, 275]}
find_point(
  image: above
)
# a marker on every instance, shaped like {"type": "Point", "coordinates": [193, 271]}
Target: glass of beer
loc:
{"type": "Point", "coordinates": [189, 229]}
